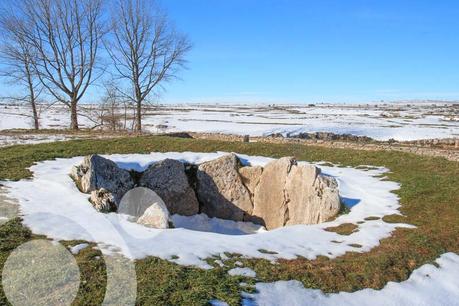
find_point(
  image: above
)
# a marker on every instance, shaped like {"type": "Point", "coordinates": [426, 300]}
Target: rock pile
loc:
{"type": "Point", "coordinates": [282, 193]}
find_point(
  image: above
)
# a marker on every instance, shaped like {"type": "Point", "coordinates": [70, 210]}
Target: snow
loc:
{"type": "Point", "coordinates": [381, 122]}
{"type": "Point", "coordinates": [217, 303]}
{"type": "Point", "coordinates": [203, 223]}
{"type": "Point", "coordinates": [51, 205]}
{"type": "Point", "coordinates": [246, 272]}
{"type": "Point", "coordinates": [8, 140]}
{"type": "Point", "coordinates": [77, 248]}
{"type": "Point", "coordinates": [427, 286]}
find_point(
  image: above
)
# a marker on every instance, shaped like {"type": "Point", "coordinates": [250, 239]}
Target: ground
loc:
{"type": "Point", "coordinates": [428, 196]}
{"type": "Point", "coordinates": [380, 121]}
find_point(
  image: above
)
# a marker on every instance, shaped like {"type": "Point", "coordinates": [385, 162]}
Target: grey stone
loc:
{"type": "Point", "coordinates": [168, 179]}
{"type": "Point", "coordinates": [221, 191]}
{"type": "Point", "coordinates": [97, 172]}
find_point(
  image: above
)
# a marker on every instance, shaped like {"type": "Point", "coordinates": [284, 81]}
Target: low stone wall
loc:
{"type": "Point", "coordinates": [446, 148]}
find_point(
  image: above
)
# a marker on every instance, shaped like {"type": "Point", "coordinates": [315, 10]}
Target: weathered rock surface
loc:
{"type": "Point", "coordinates": [251, 178]}
{"type": "Point", "coordinates": [103, 200]}
{"type": "Point", "coordinates": [97, 172]}
{"type": "Point", "coordinates": [290, 194]}
{"type": "Point", "coordinates": [313, 197]}
{"type": "Point", "coordinates": [282, 193]}
{"type": "Point", "coordinates": [270, 201]}
{"type": "Point", "coordinates": [155, 216]}
{"type": "Point", "coordinates": [221, 191]}
{"type": "Point", "coordinates": [168, 179]}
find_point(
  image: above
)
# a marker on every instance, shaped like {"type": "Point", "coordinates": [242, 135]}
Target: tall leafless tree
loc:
{"type": "Point", "coordinates": [145, 49]}
{"type": "Point", "coordinates": [65, 36]}
{"type": "Point", "coordinates": [17, 56]}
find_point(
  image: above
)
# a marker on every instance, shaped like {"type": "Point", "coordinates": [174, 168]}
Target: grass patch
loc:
{"type": "Point", "coordinates": [372, 218]}
{"type": "Point", "coordinates": [343, 229]}
{"type": "Point", "coordinates": [266, 251]}
{"type": "Point", "coordinates": [428, 196]}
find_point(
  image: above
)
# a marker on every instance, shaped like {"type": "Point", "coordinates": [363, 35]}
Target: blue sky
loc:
{"type": "Point", "coordinates": [303, 51]}
{"type": "Point", "coordinates": [317, 51]}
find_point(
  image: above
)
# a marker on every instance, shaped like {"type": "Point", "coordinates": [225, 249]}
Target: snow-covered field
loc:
{"type": "Point", "coordinates": [73, 218]}
{"type": "Point", "coordinates": [400, 121]}
{"type": "Point", "coordinates": [194, 239]}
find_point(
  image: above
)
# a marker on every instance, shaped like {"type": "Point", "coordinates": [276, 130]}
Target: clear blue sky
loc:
{"type": "Point", "coordinates": [321, 50]}
{"type": "Point", "coordinates": [309, 51]}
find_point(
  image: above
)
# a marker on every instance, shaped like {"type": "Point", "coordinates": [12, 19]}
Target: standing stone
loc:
{"type": "Point", "coordinates": [168, 179]}
{"type": "Point", "coordinates": [313, 197]}
{"type": "Point", "coordinates": [270, 201]}
{"type": "Point", "coordinates": [97, 172]}
{"type": "Point", "coordinates": [221, 190]}
{"type": "Point", "coordinates": [156, 216]}
{"type": "Point", "coordinates": [251, 178]}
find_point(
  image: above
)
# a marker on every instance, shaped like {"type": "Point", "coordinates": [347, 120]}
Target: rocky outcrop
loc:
{"type": "Point", "coordinates": [270, 200]}
{"type": "Point", "coordinates": [168, 179]}
{"type": "Point", "coordinates": [220, 189]}
{"type": "Point", "coordinates": [97, 172]}
{"type": "Point", "coordinates": [103, 200]}
{"type": "Point", "coordinates": [155, 216]}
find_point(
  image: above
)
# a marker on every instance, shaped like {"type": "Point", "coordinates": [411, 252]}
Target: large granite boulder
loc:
{"type": "Point", "coordinates": [97, 172]}
{"type": "Point", "coordinates": [155, 216]}
{"type": "Point", "coordinates": [313, 197]}
{"type": "Point", "coordinates": [221, 191]}
{"type": "Point", "coordinates": [168, 179]}
{"type": "Point", "coordinates": [270, 201]}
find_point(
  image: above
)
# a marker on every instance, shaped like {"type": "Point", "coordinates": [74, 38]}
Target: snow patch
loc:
{"type": "Point", "coordinates": [51, 205]}
{"type": "Point", "coordinates": [77, 248]}
{"type": "Point", "coordinates": [427, 286]}
{"type": "Point", "coordinates": [246, 272]}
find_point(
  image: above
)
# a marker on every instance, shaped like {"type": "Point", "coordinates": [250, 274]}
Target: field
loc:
{"type": "Point", "coordinates": [399, 121]}
{"type": "Point", "coordinates": [428, 201]}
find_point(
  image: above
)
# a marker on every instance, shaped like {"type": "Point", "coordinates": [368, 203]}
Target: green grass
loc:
{"type": "Point", "coordinates": [428, 196]}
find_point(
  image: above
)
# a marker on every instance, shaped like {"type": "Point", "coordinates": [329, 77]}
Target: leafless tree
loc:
{"type": "Point", "coordinates": [117, 111]}
{"type": "Point", "coordinates": [17, 56]}
{"type": "Point", "coordinates": [145, 49]}
{"type": "Point", "coordinates": [65, 36]}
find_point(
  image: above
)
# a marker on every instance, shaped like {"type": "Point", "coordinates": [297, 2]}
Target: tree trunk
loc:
{"type": "Point", "coordinates": [138, 117]}
{"type": "Point", "coordinates": [36, 124]}
{"type": "Point", "coordinates": [33, 104]}
{"type": "Point", "coordinates": [73, 115]}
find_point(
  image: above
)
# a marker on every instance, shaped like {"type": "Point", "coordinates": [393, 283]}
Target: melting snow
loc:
{"type": "Point", "coordinates": [51, 205]}
{"type": "Point", "coordinates": [77, 248]}
{"type": "Point", "coordinates": [247, 272]}
{"type": "Point", "coordinates": [427, 286]}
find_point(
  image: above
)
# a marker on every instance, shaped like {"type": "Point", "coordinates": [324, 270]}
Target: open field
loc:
{"type": "Point", "coordinates": [428, 198]}
{"type": "Point", "coordinates": [399, 121]}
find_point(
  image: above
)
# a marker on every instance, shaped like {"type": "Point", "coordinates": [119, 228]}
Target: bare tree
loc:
{"type": "Point", "coordinates": [65, 36]}
{"type": "Point", "coordinates": [145, 49]}
{"type": "Point", "coordinates": [18, 57]}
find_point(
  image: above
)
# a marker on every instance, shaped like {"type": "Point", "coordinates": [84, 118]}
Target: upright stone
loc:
{"type": "Point", "coordinates": [270, 200]}
{"type": "Point", "coordinates": [313, 197]}
{"type": "Point", "coordinates": [168, 179]}
{"type": "Point", "coordinates": [251, 178]}
{"type": "Point", "coordinates": [221, 191]}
